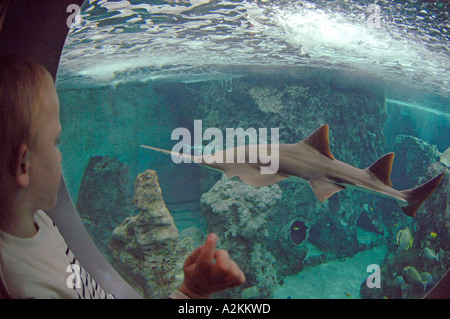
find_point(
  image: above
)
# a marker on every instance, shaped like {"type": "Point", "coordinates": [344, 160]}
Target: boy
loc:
{"type": "Point", "coordinates": [33, 255]}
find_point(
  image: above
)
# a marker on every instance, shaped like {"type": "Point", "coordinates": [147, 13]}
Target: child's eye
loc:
{"type": "Point", "coordinates": [57, 141]}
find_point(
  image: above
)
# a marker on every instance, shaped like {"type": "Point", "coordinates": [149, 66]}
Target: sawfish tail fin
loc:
{"type": "Point", "coordinates": [416, 196]}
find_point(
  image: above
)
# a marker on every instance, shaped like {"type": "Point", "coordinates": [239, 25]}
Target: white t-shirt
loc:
{"type": "Point", "coordinates": [43, 266]}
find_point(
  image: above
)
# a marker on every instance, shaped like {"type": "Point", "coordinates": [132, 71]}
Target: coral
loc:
{"type": "Point", "coordinates": [413, 156]}
{"type": "Point", "coordinates": [265, 271]}
{"type": "Point", "coordinates": [435, 218]}
{"type": "Point", "coordinates": [146, 248]}
{"type": "Point", "coordinates": [419, 162]}
{"type": "Point", "coordinates": [239, 214]}
{"type": "Point", "coordinates": [297, 92]}
{"type": "Point", "coordinates": [187, 243]}
{"type": "Point", "coordinates": [240, 209]}
{"type": "Point", "coordinates": [431, 232]}
{"type": "Point", "coordinates": [270, 100]}
{"type": "Point", "coordinates": [267, 98]}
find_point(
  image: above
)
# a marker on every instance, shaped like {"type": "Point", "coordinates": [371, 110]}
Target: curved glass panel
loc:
{"type": "Point", "coordinates": [198, 76]}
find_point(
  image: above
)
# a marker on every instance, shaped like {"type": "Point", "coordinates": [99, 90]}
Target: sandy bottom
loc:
{"type": "Point", "coordinates": [339, 279]}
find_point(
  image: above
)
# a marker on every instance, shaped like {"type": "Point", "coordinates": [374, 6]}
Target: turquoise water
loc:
{"type": "Point", "coordinates": [132, 72]}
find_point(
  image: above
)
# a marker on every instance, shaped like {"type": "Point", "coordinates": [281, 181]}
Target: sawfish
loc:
{"type": "Point", "coordinates": [311, 159]}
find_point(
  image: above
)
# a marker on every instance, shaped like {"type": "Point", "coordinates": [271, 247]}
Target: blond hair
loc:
{"type": "Point", "coordinates": [23, 85]}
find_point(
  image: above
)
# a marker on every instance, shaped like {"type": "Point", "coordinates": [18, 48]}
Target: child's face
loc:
{"type": "Point", "coordinates": [45, 158]}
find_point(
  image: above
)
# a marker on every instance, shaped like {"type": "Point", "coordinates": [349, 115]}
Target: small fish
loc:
{"type": "Point", "coordinates": [432, 234]}
{"type": "Point", "coordinates": [445, 157]}
{"type": "Point", "coordinates": [426, 277]}
{"type": "Point", "coordinates": [427, 280]}
{"type": "Point", "coordinates": [412, 276]}
{"type": "Point", "coordinates": [404, 239]}
{"type": "Point", "coordinates": [430, 254]}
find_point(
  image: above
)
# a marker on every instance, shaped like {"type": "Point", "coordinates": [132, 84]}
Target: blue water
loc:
{"type": "Point", "coordinates": [133, 71]}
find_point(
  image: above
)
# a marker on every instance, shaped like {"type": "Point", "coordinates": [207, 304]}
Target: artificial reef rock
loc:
{"type": "Point", "coordinates": [241, 215]}
{"type": "Point", "coordinates": [104, 198]}
{"type": "Point", "coordinates": [291, 249]}
{"type": "Point", "coordinates": [411, 271]}
{"type": "Point", "coordinates": [146, 248]}
{"type": "Point", "coordinates": [412, 158]}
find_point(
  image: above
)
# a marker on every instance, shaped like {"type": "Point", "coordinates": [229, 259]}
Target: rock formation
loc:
{"type": "Point", "coordinates": [412, 157]}
{"type": "Point", "coordinates": [291, 249]}
{"type": "Point", "coordinates": [429, 255]}
{"type": "Point", "coordinates": [146, 248]}
{"type": "Point", "coordinates": [239, 214]}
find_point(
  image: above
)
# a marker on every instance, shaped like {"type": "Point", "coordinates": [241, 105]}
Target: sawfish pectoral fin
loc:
{"type": "Point", "coordinates": [251, 175]}
{"type": "Point", "coordinates": [324, 188]}
{"type": "Point", "coordinates": [416, 196]}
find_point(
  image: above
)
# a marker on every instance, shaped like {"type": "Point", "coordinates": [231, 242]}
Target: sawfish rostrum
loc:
{"type": "Point", "coordinates": [311, 160]}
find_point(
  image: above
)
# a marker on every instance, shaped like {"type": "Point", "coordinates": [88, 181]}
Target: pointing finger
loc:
{"type": "Point", "coordinates": [206, 256]}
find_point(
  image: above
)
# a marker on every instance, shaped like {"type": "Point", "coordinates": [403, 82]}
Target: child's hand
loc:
{"type": "Point", "coordinates": [203, 276]}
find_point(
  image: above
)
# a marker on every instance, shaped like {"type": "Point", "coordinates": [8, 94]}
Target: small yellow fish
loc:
{"type": "Point", "coordinates": [404, 238]}
{"type": "Point", "coordinates": [432, 234]}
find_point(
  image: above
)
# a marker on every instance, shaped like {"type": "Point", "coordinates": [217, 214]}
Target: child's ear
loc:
{"type": "Point", "coordinates": [22, 167]}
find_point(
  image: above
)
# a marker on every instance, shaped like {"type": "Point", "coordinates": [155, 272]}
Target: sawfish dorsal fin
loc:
{"type": "Point", "coordinates": [382, 168]}
{"type": "Point", "coordinates": [319, 140]}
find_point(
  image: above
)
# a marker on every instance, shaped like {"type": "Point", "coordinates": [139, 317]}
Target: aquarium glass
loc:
{"type": "Point", "coordinates": [183, 75]}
